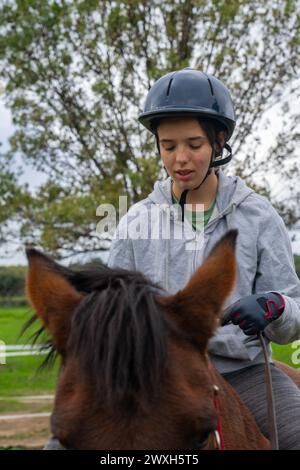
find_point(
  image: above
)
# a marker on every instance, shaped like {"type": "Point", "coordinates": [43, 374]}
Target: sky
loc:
{"type": "Point", "coordinates": [35, 179]}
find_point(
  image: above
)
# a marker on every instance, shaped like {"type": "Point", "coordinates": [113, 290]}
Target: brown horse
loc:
{"type": "Point", "coordinates": [134, 367]}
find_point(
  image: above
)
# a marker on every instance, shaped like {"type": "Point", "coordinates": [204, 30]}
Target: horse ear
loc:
{"type": "Point", "coordinates": [198, 305]}
{"type": "Point", "coordinates": [51, 295]}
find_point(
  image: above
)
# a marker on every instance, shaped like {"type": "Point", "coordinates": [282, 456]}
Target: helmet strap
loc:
{"type": "Point", "coordinates": [184, 193]}
{"type": "Point", "coordinates": [157, 143]}
{"type": "Point", "coordinates": [225, 160]}
{"type": "Point", "coordinates": [213, 163]}
{"type": "Point", "coordinates": [182, 202]}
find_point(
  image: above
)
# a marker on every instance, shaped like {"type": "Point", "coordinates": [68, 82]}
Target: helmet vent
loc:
{"type": "Point", "coordinates": [211, 88]}
{"type": "Point", "coordinates": [169, 86]}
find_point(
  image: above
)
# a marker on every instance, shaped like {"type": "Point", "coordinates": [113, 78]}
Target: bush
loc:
{"type": "Point", "coordinates": [13, 301]}
{"type": "Point", "coordinates": [12, 281]}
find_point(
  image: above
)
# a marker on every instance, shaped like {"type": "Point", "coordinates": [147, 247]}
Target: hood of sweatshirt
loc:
{"type": "Point", "coordinates": [232, 191]}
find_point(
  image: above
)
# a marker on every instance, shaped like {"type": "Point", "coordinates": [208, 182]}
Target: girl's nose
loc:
{"type": "Point", "coordinates": [182, 155]}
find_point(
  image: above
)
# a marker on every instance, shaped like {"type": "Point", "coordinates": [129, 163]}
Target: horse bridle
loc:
{"type": "Point", "coordinates": [217, 436]}
{"type": "Point", "coordinates": [216, 440]}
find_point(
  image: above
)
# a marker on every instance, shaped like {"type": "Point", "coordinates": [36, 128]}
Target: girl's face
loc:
{"type": "Point", "coordinates": [185, 151]}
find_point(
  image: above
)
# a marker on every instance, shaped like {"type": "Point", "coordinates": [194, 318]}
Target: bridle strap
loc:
{"type": "Point", "coordinates": [218, 432]}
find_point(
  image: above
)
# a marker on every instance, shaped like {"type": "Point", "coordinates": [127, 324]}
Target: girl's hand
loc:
{"type": "Point", "coordinates": [255, 312]}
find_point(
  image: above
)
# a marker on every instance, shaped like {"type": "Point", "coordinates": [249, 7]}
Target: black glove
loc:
{"type": "Point", "coordinates": [255, 312]}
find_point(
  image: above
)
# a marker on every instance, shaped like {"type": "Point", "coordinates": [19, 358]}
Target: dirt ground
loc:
{"type": "Point", "coordinates": [29, 433]}
{"type": "Point", "coordinates": [26, 432]}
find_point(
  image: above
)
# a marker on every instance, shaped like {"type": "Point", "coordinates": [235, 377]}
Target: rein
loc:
{"type": "Point", "coordinates": [217, 434]}
{"type": "Point", "coordinates": [270, 397]}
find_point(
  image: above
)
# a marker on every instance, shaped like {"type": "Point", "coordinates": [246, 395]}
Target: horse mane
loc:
{"type": "Point", "coordinates": [118, 333]}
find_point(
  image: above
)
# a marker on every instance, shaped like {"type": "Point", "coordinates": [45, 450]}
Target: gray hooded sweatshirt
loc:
{"type": "Point", "coordinates": [264, 259]}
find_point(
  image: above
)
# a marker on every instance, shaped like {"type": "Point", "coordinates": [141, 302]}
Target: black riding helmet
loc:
{"type": "Point", "coordinates": [189, 92]}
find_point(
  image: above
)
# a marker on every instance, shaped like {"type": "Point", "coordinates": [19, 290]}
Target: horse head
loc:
{"type": "Point", "coordinates": [134, 368]}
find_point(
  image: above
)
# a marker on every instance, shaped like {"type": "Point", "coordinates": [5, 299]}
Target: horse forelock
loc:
{"type": "Point", "coordinates": [119, 336]}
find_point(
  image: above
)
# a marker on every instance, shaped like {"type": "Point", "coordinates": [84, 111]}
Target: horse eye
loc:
{"type": "Point", "coordinates": [200, 442]}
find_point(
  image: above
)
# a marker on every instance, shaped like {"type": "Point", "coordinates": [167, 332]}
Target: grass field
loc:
{"type": "Point", "coordinates": [20, 375]}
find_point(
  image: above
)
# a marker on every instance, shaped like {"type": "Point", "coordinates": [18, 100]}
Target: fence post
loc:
{"type": "Point", "coordinates": [2, 353]}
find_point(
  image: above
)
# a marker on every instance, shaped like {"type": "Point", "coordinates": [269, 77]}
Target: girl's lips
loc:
{"type": "Point", "coordinates": [184, 176]}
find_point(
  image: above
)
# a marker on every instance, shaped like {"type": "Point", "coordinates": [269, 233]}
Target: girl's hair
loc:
{"type": "Point", "coordinates": [211, 128]}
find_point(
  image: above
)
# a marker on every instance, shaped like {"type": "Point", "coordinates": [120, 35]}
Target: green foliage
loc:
{"type": "Point", "coordinates": [12, 281]}
{"type": "Point", "coordinates": [77, 73]}
{"type": "Point", "coordinates": [13, 301]}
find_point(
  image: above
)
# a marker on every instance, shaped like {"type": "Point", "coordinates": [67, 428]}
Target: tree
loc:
{"type": "Point", "coordinates": [77, 73]}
